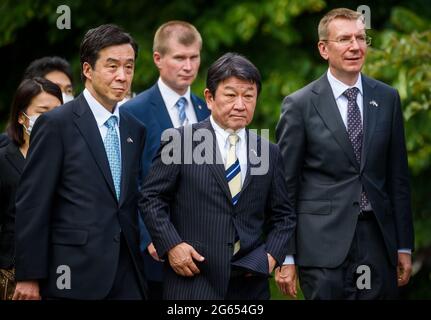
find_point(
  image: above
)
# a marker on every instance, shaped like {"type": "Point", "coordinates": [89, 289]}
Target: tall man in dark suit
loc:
{"type": "Point", "coordinates": [221, 224]}
{"type": "Point", "coordinates": [76, 222]}
{"type": "Point", "coordinates": [342, 140]}
{"type": "Point", "coordinates": [168, 103]}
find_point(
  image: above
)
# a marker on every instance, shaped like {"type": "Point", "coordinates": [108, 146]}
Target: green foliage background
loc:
{"type": "Point", "coordinates": [279, 36]}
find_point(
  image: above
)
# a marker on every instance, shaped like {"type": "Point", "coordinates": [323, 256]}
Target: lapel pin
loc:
{"type": "Point", "coordinates": [129, 140]}
{"type": "Point", "coordinates": [374, 103]}
{"type": "Point", "coordinates": [199, 107]}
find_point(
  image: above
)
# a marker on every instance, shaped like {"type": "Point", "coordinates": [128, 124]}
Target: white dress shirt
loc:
{"type": "Point", "coordinates": [170, 98]}
{"type": "Point", "coordinates": [338, 89]}
{"type": "Point", "coordinates": [223, 145]}
{"type": "Point", "coordinates": [102, 115]}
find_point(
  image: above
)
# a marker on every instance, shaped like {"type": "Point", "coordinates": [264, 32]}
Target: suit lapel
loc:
{"type": "Point", "coordinates": [251, 158]}
{"type": "Point", "coordinates": [370, 116]}
{"type": "Point", "coordinates": [159, 109]}
{"type": "Point", "coordinates": [217, 168]}
{"type": "Point", "coordinates": [127, 146]}
{"type": "Point", "coordinates": [327, 108]}
{"type": "Point", "coordinates": [200, 111]}
{"type": "Point", "coordinates": [15, 157]}
{"type": "Point", "coordinates": [87, 125]}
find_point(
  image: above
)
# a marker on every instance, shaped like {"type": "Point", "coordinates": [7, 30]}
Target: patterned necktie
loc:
{"type": "Point", "coordinates": [354, 130]}
{"type": "Point", "coordinates": [112, 147]}
{"type": "Point", "coordinates": [181, 105]}
{"type": "Point", "coordinates": [233, 177]}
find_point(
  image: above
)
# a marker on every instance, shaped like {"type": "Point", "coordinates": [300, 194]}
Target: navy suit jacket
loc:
{"type": "Point", "coordinates": [67, 212]}
{"type": "Point", "coordinates": [149, 108]}
{"type": "Point", "coordinates": [191, 202]}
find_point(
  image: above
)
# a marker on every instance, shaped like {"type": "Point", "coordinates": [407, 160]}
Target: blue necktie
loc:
{"type": "Point", "coordinates": [112, 147]}
{"type": "Point", "coordinates": [181, 105]}
{"type": "Point", "coordinates": [354, 130]}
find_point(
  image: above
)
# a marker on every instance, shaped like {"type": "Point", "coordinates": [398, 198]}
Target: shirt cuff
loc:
{"type": "Point", "coordinates": [409, 251]}
{"type": "Point", "coordinates": [289, 260]}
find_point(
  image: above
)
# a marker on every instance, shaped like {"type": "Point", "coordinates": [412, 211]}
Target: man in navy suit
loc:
{"type": "Point", "coordinates": [222, 224]}
{"type": "Point", "coordinates": [76, 223]}
{"type": "Point", "coordinates": [168, 103]}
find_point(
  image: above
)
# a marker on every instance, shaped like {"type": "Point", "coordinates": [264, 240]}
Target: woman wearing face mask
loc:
{"type": "Point", "coordinates": [32, 98]}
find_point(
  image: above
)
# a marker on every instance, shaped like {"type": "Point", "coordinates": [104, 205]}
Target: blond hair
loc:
{"type": "Point", "coordinates": [184, 32]}
{"type": "Point", "coordinates": [339, 13]}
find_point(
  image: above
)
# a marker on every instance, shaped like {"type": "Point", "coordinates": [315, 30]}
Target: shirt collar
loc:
{"type": "Point", "coordinates": [99, 111]}
{"type": "Point", "coordinates": [339, 87]}
{"type": "Point", "coordinates": [225, 133]}
{"type": "Point", "coordinates": [170, 97]}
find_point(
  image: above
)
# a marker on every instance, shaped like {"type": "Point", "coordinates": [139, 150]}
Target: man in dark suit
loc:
{"type": "Point", "coordinates": [221, 224]}
{"type": "Point", "coordinates": [342, 140]}
{"type": "Point", "coordinates": [76, 223]}
{"type": "Point", "coordinates": [176, 53]}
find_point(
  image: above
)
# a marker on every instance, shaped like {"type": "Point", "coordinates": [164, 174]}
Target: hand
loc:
{"type": "Point", "coordinates": [285, 277]}
{"type": "Point", "coordinates": [404, 268]}
{"type": "Point", "coordinates": [26, 290]}
{"type": "Point", "coordinates": [152, 251]}
{"type": "Point", "coordinates": [181, 259]}
{"type": "Point", "coordinates": [271, 263]}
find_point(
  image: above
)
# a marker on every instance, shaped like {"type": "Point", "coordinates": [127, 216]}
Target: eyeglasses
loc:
{"type": "Point", "coordinates": [347, 41]}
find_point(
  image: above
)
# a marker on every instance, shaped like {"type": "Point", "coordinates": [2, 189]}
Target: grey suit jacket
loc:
{"type": "Point", "coordinates": [325, 180]}
{"type": "Point", "coordinates": [192, 203]}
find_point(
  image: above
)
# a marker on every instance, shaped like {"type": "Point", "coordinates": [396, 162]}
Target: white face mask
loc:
{"type": "Point", "coordinates": [32, 120]}
{"type": "Point", "coordinates": [67, 97]}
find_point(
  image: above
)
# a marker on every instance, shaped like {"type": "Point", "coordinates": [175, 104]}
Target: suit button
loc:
{"type": "Point", "coordinates": [117, 238]}
{"type": "Point", "coordinates": [356, 203]}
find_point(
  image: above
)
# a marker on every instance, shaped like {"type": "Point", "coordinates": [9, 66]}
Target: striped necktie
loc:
{"type": "Point", "coordinates": [233, 177]}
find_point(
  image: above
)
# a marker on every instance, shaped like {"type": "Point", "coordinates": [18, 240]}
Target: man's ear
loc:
{"type": "Point", "coordinates": [208, 98]}
{"type": "Point", "coordinates": [157, 57]}
{"type": "Point", "coordinates": [323, 49]}
{"type": "Point", "coordinates": [87, 70]}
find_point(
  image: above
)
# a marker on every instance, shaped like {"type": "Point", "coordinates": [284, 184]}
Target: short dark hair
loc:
{"type": "Point", "coordinates": [41, 67]}
{"type": "Point", "coordinates": [232, 65]}
{"type": "Point", "coordinates": [99, 38]}
{"type": "Point", "coordinates": [27, 90]}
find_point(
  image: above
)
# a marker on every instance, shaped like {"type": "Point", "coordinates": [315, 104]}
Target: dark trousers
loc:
{"type": "Point", "coordinates": [243, 286]}
{"type": "Point", "coordinates": [126, 285]}
{"type": "Point", "coordinates": [367, 249]}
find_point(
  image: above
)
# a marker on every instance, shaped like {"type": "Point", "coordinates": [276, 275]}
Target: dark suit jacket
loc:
{"type": "Point", "coordinates": [4, 139]}
{"type": "Point", "coordinates": [325, 180]}
{"type": "Point", "coordinates": [149, 108]}
{"type": "Point", "coordinates": [67, 211]}
{"type": "Point", "coordinates": [192, 203]}
{"type": "Point", "coordinates": [11, 165]}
